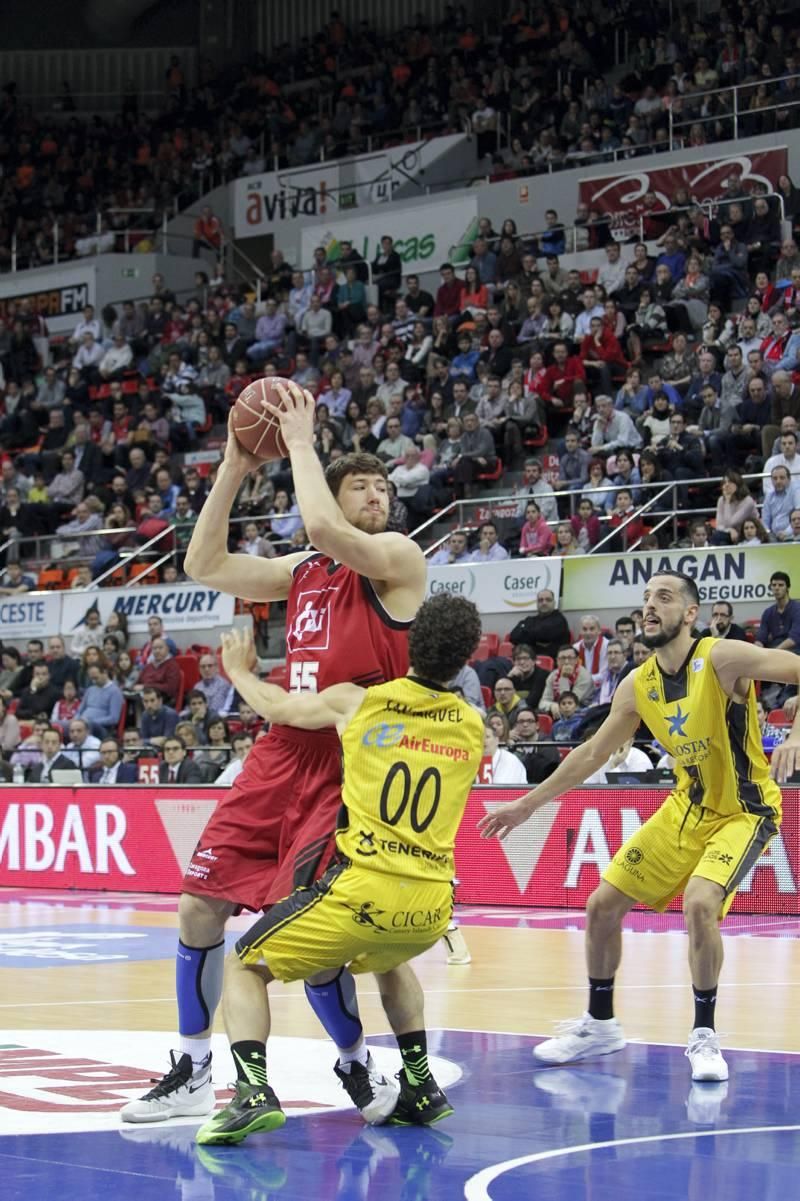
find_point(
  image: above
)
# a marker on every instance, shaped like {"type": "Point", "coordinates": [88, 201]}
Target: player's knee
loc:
{"type": "Point", "coordinates": [202, 922]}
{"type": "Point", "coordinates": [701, 907]}
{"type": "Point", "coordinates": [601, 909]}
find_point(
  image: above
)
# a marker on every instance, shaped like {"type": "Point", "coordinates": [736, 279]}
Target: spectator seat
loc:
{"type": "Point", "coordinates": [190, 670]}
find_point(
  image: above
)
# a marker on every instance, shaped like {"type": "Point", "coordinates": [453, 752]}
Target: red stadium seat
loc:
{"type": "Point", "coordinates": [142, 573]}
{"type": "Point", "coordinates": [123, 717]}
{"type": "Point", "coordinates": [545, 662]}
{"type": "Point", "coordinates": [489, 477]}
{"type": "Point", "coordinates": [487, 647]}
{"type": "Point", "coordinates": [279, 675]}
{"type": "Point", "coordinates": [779, 717]}
{"type": "Point", "coordinates": [535, 440]}
{"type": "Point", "coordinates": [50, 579]}
{"type": "Point", "coordinates": [486, 693]}
{"type": "Point", "coordinates": [190, 670]}
{"type": "Point", "coordinates": [505, 649]}
{"type": "Point", "coordinates": [545, 725]}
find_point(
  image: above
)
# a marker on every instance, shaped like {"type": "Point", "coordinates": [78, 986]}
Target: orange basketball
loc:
{"type": "Point", "coordinates": [257, 429]}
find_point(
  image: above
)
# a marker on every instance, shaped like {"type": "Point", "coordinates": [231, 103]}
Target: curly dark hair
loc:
{"type": "Point", "coordinates": [353, 464]}
{"type": "Point", "coordinates": [444, 635]}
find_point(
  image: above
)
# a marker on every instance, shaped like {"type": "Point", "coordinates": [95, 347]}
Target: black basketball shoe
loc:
{"type": "Point", "coordinates": [420, 1104]}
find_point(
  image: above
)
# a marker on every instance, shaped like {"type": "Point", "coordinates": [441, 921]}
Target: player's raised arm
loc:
{"type": "Point", "coordinates": [347, 537]}
{"type": "Point", "coordinates": [305, 710]}
{"type": "Point", "coordinates": [736, 663]}
{"type": "Point", "coordinates": [620, 725]}
{"type": "Point", "coordinates": [208, 559]}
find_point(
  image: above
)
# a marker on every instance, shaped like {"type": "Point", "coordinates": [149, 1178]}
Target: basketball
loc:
{"type": "Point", "coordinates": [257, 429]}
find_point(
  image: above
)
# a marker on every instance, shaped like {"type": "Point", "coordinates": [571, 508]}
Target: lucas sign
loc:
{"type": "Point", "coordinates": [423, 235]}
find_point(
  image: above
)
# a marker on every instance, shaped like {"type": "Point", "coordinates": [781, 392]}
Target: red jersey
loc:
{"type": "Point", "coordinates": [274, 831]}
{"type": "Point", "coordinates": [337, 630]}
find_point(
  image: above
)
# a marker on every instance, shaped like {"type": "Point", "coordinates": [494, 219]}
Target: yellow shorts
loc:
{"type": "Point", "coordinates": [657, 862]}
{"type": "Point", "coordinates": [369, 921]}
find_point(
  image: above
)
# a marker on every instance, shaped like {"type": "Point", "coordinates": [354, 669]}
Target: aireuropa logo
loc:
{"type": "Point", "coordinates": [383, 735]}
{"type": "Point", "coordinates": [521, 585]}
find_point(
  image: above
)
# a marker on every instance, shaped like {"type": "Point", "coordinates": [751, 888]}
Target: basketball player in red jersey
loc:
{"type": "Point", "coordinates": [349, 606]}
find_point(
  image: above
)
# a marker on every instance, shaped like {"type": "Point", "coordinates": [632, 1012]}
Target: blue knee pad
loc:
{"type": "Point", "coordinates": [336, 1006]}
{"type": "Point", "coordinates": [198, 986]}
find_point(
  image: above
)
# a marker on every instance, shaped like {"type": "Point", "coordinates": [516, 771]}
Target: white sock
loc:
{"type": "Point", "coordinates": [198, 1048]}
{"type": "Point", "coordinates": [358, 1053]}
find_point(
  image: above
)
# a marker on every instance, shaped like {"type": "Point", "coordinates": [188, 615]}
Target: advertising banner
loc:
{"type": "Point", "coordinates": [182, 607]}
{"type": "Point", "coordinates": [621, 195]}
{"type": "Point", "coordinates": [423, 235]}
{"type": "Point", "coordinates": [506, 587]}
{"type": "Point", "coordinates": [30, 615]}
{"type": "Point", "coordinates": [262, 202]}
{"type": "Point", "coordinates": [320, 190]}
{"type": "Point", "coordinates": [58, 295]}
{"type": "Point", "coordinates": [739, 576]}
{"type": "Point", "coordinates": [557, 857]}
{"type": "Point", "coordinates": [141, 838]}
{"type": "Point", "coordinates": [376, 177]}
{"type": "Point", "coordinates": [134, 839]}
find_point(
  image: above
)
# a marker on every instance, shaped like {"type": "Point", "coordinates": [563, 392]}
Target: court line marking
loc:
{"type": "Point", "coordinates": [282, 996]}
{"type": "Point", "coordinates": [91, 1167]}
{"type": "Point", "coordinates": [476, 1188]}
{"type": "Point", "coordinates": [639, 1042]}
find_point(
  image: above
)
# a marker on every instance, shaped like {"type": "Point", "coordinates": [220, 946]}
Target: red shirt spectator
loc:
{"type": "Point", "coordinates": [449, 295]}
{"type": "Point", "coordinates": [623, 509]}
{"type": "Point", "coordinates": [208, 229]}
{"type": "Point", "coordinates": [602, 346]}
{"type": "Point", "coordinates": [162, 673]}
{"type": "Point", "coordinates": [558, 380]}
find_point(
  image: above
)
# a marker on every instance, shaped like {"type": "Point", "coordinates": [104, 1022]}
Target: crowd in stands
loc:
{"type": "Point", "coordinates": [545, 687]}
{"type": "Point", "coordinates": [678, 364]}
{"type": "Point", "coordinates": [98, 708]}
{"type": "Point", "coordinates": [680, 360]}
{"type": "Point", "coordinates": [526, 84]}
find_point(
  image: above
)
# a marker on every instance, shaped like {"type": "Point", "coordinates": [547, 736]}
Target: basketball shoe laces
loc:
{"type": "Point", "coordinates": [175, 1078]}
{"type": "Point", "coordinates": [358, 1085]}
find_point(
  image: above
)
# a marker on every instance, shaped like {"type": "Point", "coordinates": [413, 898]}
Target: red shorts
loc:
{"type": "Point", "coordinates": [275, 830]}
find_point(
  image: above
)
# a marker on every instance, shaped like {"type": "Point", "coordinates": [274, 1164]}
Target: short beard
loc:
{"type": "Point", "coordinates": [663, 637]}
{"type": "Point", "coordinates": [376, 525]}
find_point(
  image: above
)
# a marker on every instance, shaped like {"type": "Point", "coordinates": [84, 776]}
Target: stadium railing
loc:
{"type": "Point", "coordinates": [734, 108]}
{"type": "Point", "coordinates": [469, 513]}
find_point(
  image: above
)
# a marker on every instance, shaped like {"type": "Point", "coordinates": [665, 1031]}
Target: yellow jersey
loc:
{"type": "Point", "coordinates": [411, 754]}
{"type": "Point", "coordinates": [715, 741]}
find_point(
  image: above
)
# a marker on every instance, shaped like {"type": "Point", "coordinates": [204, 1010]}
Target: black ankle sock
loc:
{"type": "Point", "coordinates": [705, 1000]}
{"type": "Point", "coordinates": [250, 1060]}
{"type": "Point", "coordinates": [414, 1050]}
{"type": "Point", "coordinates": [601, 998]}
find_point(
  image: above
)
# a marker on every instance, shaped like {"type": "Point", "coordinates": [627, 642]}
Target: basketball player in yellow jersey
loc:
{"type": "Point", "coordinates": [697, 698]}
{"type": "Point", "coordinates": [411, 752]}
